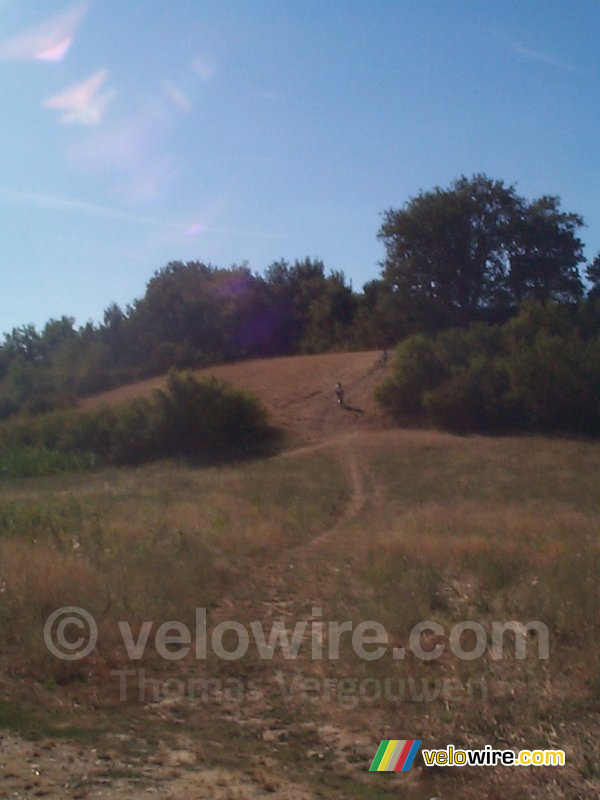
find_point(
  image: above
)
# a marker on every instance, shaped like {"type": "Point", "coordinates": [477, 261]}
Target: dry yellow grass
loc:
{"type": "Point", "coordinates": [363, 522]}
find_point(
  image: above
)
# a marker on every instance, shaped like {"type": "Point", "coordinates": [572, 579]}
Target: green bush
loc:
{"type": "Point", "coordinates": [206, 416]}
{"type": "Point", "coordinates": [539, 372]}
{"type": "Point", "coordinates": [417, 368]}
{"type": "Point", "coordinates": [477, 398]}
{"type": "Point", "coordinates": [190, 417]}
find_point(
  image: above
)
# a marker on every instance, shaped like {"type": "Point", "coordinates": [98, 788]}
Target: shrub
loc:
{"type": "Point", "coordinates": [206, 416]}
{"type": "Point", "coordinates": [190, 417]}
{"type": "Point", "coordinates": [417, 368]}
{"type": "Point", "coordinates": [477, 398]}
{"type": "Point", "coordinates": [540, 371]}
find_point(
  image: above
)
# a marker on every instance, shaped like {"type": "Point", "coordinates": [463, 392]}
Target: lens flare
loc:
{"type": "Point", "coordinates": [49, 41]}
{"type": "Point", "coordinates": [81, 103]}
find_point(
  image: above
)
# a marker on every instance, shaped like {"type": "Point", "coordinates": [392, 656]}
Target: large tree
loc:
{"type": "Point", "coordinates": [476, 249]}
{"type": "Point", "coordinates": [447, 248]}
{"type": "Point", "coordinates": [546, 253]}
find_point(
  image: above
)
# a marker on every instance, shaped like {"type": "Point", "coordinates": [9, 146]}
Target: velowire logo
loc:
{"type": "Point", "coordinates": [395, 755]}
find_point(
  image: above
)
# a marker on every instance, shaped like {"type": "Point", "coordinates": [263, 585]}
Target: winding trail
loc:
{"type": "Point", "coordinates": [298, 393]}
{"type": "Point", "coordinates": [346, 455]}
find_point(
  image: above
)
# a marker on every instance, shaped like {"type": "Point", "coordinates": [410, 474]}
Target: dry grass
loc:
{"type": "Point", "coordinates": [490, 530]}
{"type": "Point", "coordinates": [148, 544]}
{"type": "Point", "coordinates": [448, 529]}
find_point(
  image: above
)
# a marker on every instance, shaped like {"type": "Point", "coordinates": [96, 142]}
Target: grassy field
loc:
{"type": "Point", "coordinates": [424, 527]}
{"type": "Point", "coordinates": [391, 526]}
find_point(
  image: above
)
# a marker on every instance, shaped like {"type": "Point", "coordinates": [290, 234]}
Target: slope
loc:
{"type": "Point", "coordinates": [298, 391]}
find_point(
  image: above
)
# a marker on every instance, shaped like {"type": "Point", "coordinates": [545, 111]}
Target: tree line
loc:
{"type": "Point", "coordinates": [473, 252]}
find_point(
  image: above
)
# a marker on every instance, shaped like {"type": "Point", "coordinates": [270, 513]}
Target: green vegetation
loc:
{"type": "Point", "coordinates": [477, 250]}
{"type": "Point", "coordinates": [192, 418]}
{"type": "Point", "coordinates": [25, 462]}
{"type": "Point", "coordinates": [538, 372]}
{"type": "Point", "coordinates": [191, 315]}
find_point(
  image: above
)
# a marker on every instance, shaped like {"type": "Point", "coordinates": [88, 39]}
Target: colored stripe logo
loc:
{"type": "Point", "coordinates": [395, 755]}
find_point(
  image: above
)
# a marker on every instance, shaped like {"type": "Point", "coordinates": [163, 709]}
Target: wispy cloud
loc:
{"type": "Point", "coordinates": [534, 55]}
{"type": "Point", "coordinates": [57, 203]}
{"type": "Point", "coordinates": [48, 41]}
{"type": "Point", "coordinates": [275, 97]}
{"type": "Point", "coordinates": [53, 202]}
{"type": "Point", "coordinates": [82, 104]}
{"type": "Point", "coordinates": [131, 149]}
{"type": "Point", "coordinates": [203, 67]}
{"type": "Point", "coordinates": [176, 96]}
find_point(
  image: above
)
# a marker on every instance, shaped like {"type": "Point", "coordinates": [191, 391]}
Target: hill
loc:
{"type": "Point", "coordinates": [361, 522]}
{"type": "Point", "coordinates": [298, 391]}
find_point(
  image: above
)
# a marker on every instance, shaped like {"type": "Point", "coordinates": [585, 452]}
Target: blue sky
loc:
{"type": "Point", "coordinates": [227, 131]}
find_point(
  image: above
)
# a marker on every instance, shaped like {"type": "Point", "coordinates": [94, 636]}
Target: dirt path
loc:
{"type": "Point", "coordinates": [346, 455]}
{"type": "Point", "coordinates": [271, 747]}
{"type": "Point", "coordinates": [174, 766]}
{"type": "Point", "coordinates": [299, 394]}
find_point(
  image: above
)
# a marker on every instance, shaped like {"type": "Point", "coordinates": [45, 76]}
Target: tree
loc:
{"type": "Point", "coordinates": [55, 332]}
{"type": "Point", "coordinates": [447, 249]}
{"type": "Point", "coordinates": [592, 273]}
{"type": "Point", "coordinates": [545, 253]}
{"type": "Point", "coordinates": [25, 342]}
{"type": "Point", "coordinates": [478, 249]}
{"type": "Point", "coordinates": [291, 291]}
{"type": "Point", "coordinates": [330, 316]}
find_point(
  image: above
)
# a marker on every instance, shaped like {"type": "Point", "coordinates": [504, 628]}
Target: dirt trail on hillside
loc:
{"type": "Point", "coordinates": [299, 394]}
{"type": "Point", "coordinates": [177, 749]}
{"type": "Point", "coordinates": [298, 391]}
{"type": "Point", "coordinates": [346, 454]}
